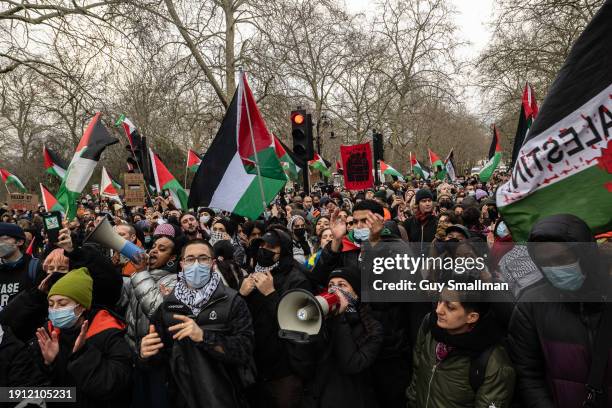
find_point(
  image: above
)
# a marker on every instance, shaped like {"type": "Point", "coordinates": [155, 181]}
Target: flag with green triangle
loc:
{"type": "Point", "coordinates": [164, 180]}
{"type": "Point", "coordinates": [49, 200]}
{"type": "Point", "coordinates": [11, 179]}
{"type": "Point", "coordinates": [390, 171]}
{"type": "Point", "coordinates": [436, 165]}
{"type": "Point", "coordinates": [54, 164]}
{"type": "Point", "coordinates": [193, 161]}
{"type": "Point", "coordinates": [318, 164]}
{"type": "Point", "coordinates": [418, 169]}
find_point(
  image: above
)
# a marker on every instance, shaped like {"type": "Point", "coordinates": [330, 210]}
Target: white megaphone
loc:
{"type": "Point", "coordinates": [105, 235]}
{"type": "Point", "coordinates": [300, 314]}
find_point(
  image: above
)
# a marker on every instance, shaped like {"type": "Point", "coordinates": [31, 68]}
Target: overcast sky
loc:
{"type": "Point", "coordinates": [471, 18]}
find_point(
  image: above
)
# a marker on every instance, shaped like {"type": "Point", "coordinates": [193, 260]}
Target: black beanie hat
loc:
{"type": "Point", "coordinates": [423, 194]}
{"type": "Point", "coordinates": [351, 274]}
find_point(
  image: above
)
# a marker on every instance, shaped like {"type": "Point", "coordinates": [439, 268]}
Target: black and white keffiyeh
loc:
{"type": "Point", "coordinates": [196, 299]}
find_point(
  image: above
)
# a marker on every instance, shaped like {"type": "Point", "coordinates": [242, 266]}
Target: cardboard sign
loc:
{"type": "Point", "coordinates": [22, 201]}
{"type": "Point", "coordinates": [134, 189]}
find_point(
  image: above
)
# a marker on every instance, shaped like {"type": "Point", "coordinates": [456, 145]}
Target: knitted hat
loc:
{"type": "Point", "coordinates": [480, 194]}
{"type": "Point", "coordinates": [351, 275]}
{"type": "Point", "coordinates": [11, 230]}
{"type": "Point", "coordinates": [77, 285]}
{"type": "Point", "coordinates": [423, 194]}
{"type": "Point", "coordinates": [165, 229]}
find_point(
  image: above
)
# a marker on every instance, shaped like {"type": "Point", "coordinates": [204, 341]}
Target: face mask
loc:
{"type": "Point", "coordinates": [204, 219]}
{"type": "Point", "coordinates": [471, 193]}
{"type": "Point", "coordinates": [7, 249]}
{"type": "Point", "coordinates": [299, 232]}
{"type": "Point", "coordinates": [502, 230]}
{"type": "Point", "coordinates": [566, 277]}
{"type": "Point", "coordinates": [361, 234]}
{"type": "Point", "coordinates": [216, 236]}
{"type": "Point", "coordinates": [173, 220]}
{"type": "Point", "coordinates": [265, 257]}
{"type": "Point", "coordinates": [148, 239]}
{"type": "Point", "coordinates": [197, 275]}
{"type": "Point", "coordinates": [492, 214]}
{"type": "Point", "coordinates": [63, 318]}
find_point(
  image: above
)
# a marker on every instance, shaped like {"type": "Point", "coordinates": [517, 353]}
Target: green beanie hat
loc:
{"type": "Point", "coordinates": [77, 285]}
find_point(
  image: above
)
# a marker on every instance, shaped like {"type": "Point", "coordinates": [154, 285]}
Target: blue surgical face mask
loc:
{"type": "Point", "coordinates": [565, 277]}
{"type": "Point", "coordinates": [502, 230]}
{"type": "Point", "coordinates": [361, 234]}
{"type": "Point", "coordinates": [64, 317]}
{"type": "Point", "coordinates": [197, 275]}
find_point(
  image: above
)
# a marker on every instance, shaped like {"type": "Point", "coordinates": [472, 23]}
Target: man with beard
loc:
{"type": "Point", "coordinates": [189, 225]}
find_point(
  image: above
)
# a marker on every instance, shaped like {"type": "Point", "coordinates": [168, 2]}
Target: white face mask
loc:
{"type": "Point", "coordinates": [204, 219]}
{"type": "Point", "coordinates": [565, 277]}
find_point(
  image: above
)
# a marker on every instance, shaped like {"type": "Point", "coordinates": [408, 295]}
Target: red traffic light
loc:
{"type": "Point", "coordinates": [297, 118]}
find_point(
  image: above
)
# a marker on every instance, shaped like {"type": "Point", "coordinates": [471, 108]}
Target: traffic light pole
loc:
{"type": "Point", "coordinates": [305, 178]}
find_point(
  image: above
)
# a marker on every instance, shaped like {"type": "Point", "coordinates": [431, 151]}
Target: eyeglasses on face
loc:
{"type": "Point", "coordinates": [202, 259]}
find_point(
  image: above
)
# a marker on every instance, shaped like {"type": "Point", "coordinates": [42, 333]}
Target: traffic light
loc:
{"type": "Point", "coordinates": [301, 132]}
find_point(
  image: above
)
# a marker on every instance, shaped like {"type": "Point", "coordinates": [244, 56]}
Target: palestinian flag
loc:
{"type": "Point", "coordinates": [107, 187]}
{"type": "Point", "coordinates": [418, 169]}
{"type": "Point", "coordinates": [494, 157]}
{"type": "Point", "coordinates": [49, 200]}
{"type": "Point", "coordinates": [193, 161]}
{"type": "Point", "coordinates": [449, 166]}
{"type": "Point", "coordinates": [164, 180]}
{"type": "Point", "coordinates": [95, 139]}
{"type": "Point", "coordinates": [131, 132]}
{"type": "Point", "coordinates": [386, 169]}
{"type": "Point", "coordinates": [436, 165]}
{"type": "Point", "coordinates": [339, 168]}
{"type": "Point", "coordinates": [10, 178]}
{"type": "Point", "coordinates": [318, 164]}
{"type": "Point", "coordinates": [529, 110]}
{"type": "Point", "coordinates": [565, 164]}
{"type": "Point", "coordinates": [291, 170]}
{"type": "Point", "coordinates": [223, 181]}
{"type": "Point", "coordinates": [54, 164]}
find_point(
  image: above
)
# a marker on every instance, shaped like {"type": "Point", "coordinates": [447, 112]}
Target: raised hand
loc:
{"type": "Point", "coordinates": [188, 328]}
{"type": "Point", "coordinates": [80, 341]}
{"type": "Point", "coordinates": [49, 346]}
{"type": "Point", "coordinates": [64, 240]}
{"type": "Point", "coordinates": [150, 344]}
{"type": "Point", "coordinates": [264, 282]}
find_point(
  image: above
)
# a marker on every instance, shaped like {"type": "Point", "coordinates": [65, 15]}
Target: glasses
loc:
{"type": "Point", "coordinates": [202, 259]}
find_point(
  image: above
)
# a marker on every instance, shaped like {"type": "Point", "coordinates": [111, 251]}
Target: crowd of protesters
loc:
{"type": "Point", "coordinates": [193, 323]}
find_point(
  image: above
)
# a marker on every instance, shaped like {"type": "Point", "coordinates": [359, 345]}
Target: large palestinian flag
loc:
{"type": "Point", "coordinates": [318, 164]}
{"type": "Point", "coordinates": [494, 157]}
{"type": "Point", "coordinates": [11, 179]}
{"type": "Point", "coordinates": [224, 180]}
{"type": "Point", "coordinates": [529, 110]}
{"type": "Point", "coordinates": [386, 169]}
{"type": "Point", "coordinates": [291, 170]}
{"type": "Point", "coordinates": [107, 187]}
{"type": "Point", "coordinates": [49, 200]}
{"type": "Point", "coordinates": [95, 139]}
{"type": "Point", "coordinates": [54, 164]}
{"type": "Point", "coordinates": [193, 161]}
{"type": "Point", "coordinates": [164, 180]}
{"type": "Point", "coordinates": [418, 169]}
{"type": "Point", "coordinates": [565, 164]}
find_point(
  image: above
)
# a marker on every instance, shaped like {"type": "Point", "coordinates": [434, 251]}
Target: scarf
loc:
{"type": "Point", "coordinates": [353, 302]}
{"type": "Point", "coordinates": [264, 269]}
{"type": "Point", "coordinates": [196, 299]}
{"type": "Point", "coordinates": [421, 216]}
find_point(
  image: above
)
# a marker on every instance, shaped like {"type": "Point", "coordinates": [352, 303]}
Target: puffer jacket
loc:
{"type": "Point", "coordinates": [550, 343]}
{"type": "Point", "coordinates": [446, 383]}
{"type": "Point", "coordinates": [144, 297]}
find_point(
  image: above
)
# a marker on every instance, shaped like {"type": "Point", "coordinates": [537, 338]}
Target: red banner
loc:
{"type": "Point", "coordinates": [357, 166]}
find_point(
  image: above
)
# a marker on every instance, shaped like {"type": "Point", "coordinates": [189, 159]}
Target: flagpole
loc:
{"type": "Point", "coordinates": [139, 169]}
{"type": "Point", "coordinates": [186, 169]}
{"type": "Point", "coordinates": [261, 189]}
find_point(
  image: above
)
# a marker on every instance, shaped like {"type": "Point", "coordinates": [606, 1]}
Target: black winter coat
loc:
{"type": "Point", "coordinates": [17, 367]}
{"type": "Point", "coordinates": [422, 233]}
{"type": "Point", "coordinates": [101, 370]}
{"type": "Point", "coordinates": [336, 369]}
{"type": "Point", "coordinates": [200, 374]}
{"type": "Point", "coordinates": [271, 355]}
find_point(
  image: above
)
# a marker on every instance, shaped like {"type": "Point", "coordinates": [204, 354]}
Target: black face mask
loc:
{"type": "Point", "coordinates": [173, 220]}
{"type": "Point", "coordinates": [300, 232]}
{"type": "Point", "coordinates": [265, 257]}
{"type": "Point", "coordinates": [492, 214]}
{"type": "Point", "coordinates": [446, 204]}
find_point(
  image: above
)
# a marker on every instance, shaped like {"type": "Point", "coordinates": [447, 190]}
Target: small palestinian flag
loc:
{"type": "Point", "coordinates": [223, 180]}
{"type": "Point", "coordinates": [54, 164]}
{"type": "Point", "coordinates": [436, 165]}
{"type": "Point", "coordinates": [449, 165]}
{"type": "Point", "coordinates": [164, 180]}
{"type": "Point", "coordinates": [107, 187]}
{"type": "Point", "coordinates": [529, 110]}
{"type": "Point", "coordinates": [318, 164]}
{"type": "Point", "coordinates": [494, 157]}
{"type": "Point", "coordinates": [291, 170]}
{"type": "Point", "coordinates": [193, 161]}
{"type": "Point", "coordinates": [131, 132]}
{"type": "Point", "coordinates": [565, 163]}
{"type": "Point", "coordinates": [11, 179]}
{"type": "Point", "coordinates": [418, 169]}
{"type": "Point", "coordinates": [49, 200]}
{"type": "Point", "coordinates": [386, 169]}
{"type": "Point", "coordinates": [95, 139]}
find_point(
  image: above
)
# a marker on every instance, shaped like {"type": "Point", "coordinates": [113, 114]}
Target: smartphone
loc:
{"type": "Point", "coordinates": [52, 225]}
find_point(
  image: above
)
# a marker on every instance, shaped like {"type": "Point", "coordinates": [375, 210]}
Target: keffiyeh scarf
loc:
{"type": "Point", "coordinates": [196, 299]}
